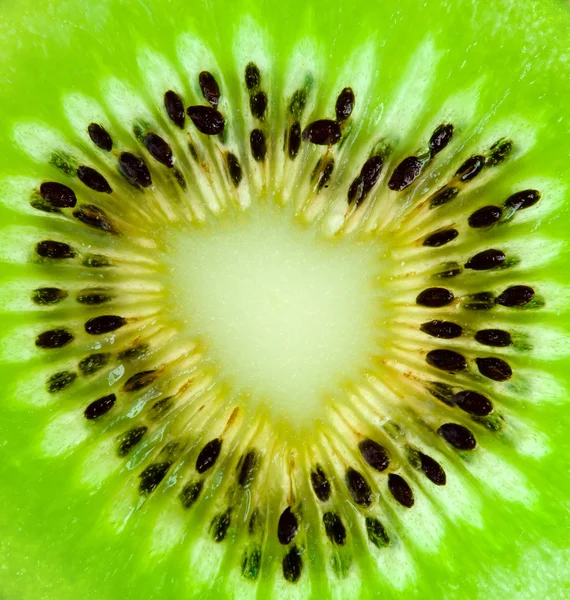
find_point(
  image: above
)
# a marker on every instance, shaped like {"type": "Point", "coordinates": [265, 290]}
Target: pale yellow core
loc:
{"type": "Point", "coordinates": [288, 316]}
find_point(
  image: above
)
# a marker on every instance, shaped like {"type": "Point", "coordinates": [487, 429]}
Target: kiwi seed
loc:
{"type": "Point", "coordinates": [287, 527]}
{"type": "Point", "coordinates": [175, 108]}
{"type": "Point", "coordinates": [93, 179]}
{"type": "Point", "coordinates": [100, 137]}
{"type": "Point", "coordinates": [210, 88]}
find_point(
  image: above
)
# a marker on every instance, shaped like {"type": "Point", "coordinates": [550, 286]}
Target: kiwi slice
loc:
{"type": "Point", "coordinates": [284, 300]}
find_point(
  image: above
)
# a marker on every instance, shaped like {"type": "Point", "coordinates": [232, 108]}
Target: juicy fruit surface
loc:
{"type": "Point", "coordinates": [512, 522]}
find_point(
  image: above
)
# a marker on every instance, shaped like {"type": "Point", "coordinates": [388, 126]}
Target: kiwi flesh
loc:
{"type": "Point", "coordinates": [286, 324]}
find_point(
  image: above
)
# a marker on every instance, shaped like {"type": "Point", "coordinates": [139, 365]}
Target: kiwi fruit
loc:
{"type": "Point", "coordinates": [284, 300]}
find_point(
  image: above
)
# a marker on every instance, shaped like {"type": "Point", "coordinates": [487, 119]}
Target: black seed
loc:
{"type": "Point", "coordinates": [516, 295]}
{"type": "Point", "coordinates": [99, 407]}
{"type": "Point", "coordinates": [344, 104]}
{"type": "Point", "coordinates": [57, 195]}
{"type": "Point", "coordinates": [134, 353]}
{"type": "Point", "coordinates": [206, 119]}
{"type": "Point", "coordinates": [210, 88]}
{"type": "Point", "coordinates": [93, 363]}
{"type": "Point", "coordinates": [134, 170]}
{"type": "Point", "coordinates": [441, 391]}
{"type": "Point", "coordinates": [370, 172]}
{"type": "Point", "coordinates": [400, 489]}
{"type": "Point", "coordinates": [220, 525]}
{"type": "Point", "coordinates": [252, 76]}
{"type": "Point", "coordinates": [494, 368]}
{"type": "Point", "coordinates": [174, 108]}
{"type": "Point", "coordinates": [59, 381]}
{"type": "Point", "coordinates": [440, 138]}
{"type": "Point", "coordinates": [287, 527]}
{"type": "Point", "coordinates": [480, 301]}
{"type": "Point", "coordinates": [473, 403]}
{"type": "Point", "coordinates": [405, 173]}
{"type": "Point", "coordinates": [93, 179]}
{"type": "Point", "coordinates": [376, 532]}
{"type": "Point", "coordinates": [471, 168]}
{"type": "Point", "coordinates": [234, 168]}
{"type": "Point", "coordinates": [358, 487]}
{"type": "Point", "coordinates": [443, 196]}
{"type": "Point", "coordinates": [93, 216]}
{"type": "Point", "coordinates": [96, 261]}
{"type": "Point", "coordinates": [251, 563]}
{"type": "Point", "coordinates": [100, 137]}
{"type": "Point", "coordinates": [292, 565]}
{"type": "Point", "coordinates": [298, 102]}
{"type": "Point", "coordinates": [104, 324]}
{"type": "Point", "coordinates": [140, 380]}
{"type": "Point", "coordinates": [323, 132]}
{"type": "Point", "coordinates": [159, 149]}
{"type": "Point", "coordinates": [258, 145]}
{"type": "Point", "coordinates": [258, 105]}
{"type": "Point", "coordinates": [522, 200]}
{"type": "Point", "coordinates": [151, 477]}
{"type": "Point", "coordinates": [458, 436]}
{"type": "Point", "coordinates": [294, 139]}
{"type": "Point", "coordinates": [208, 455]}
{"type": "Point", "coordinates": [190, 493]}
{"type": "Point", "coordinates": [326, 174]}
{"type": "Point", "coordinates": [374, 454]}
{"type": "Point", "coordinates": [356, 191]}
{"type": "Point", "coordinates": [54, 338]}
{"type": "Point", "coordinates": [434, 297]}
{"type": "Point", "coordinates": [485, 217]}
{"type": "Point", "coordinates": [248, 469]}
{"type": "Point", "coordinates": [488, 259]}
{"type": "Point", "coordinates": [131, 438]}
{"type": "Point", "coordinates": [441, 238]}
{"type": "Point", "coordinates": [499, 152]}
{"type": "Point", "coordinates": [334, 528]}
{"type": "Point", "coordinates": [445, 330]}
{"type": "Point", "coordinates": [93, 298]}
{"type": "Point", "coordinates": [47, 295]}
{"type": "Point", "coordinates": [432, 469]}
{"type": "Point", "coordinates": [494, 337]}
{"type": "Point", "coordinates": [446, 360]}
{"type": "Point", "coordinates": [51, 249]}
{"type": "Point", "coordinates": [320, 483]}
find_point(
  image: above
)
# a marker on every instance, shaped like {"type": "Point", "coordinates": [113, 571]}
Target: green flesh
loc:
{"type": "Point", "coordinates": [499, 526]}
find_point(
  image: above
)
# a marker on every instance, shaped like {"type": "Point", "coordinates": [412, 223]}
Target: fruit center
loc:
{"type": "Point", "coordinates": [288, 317]}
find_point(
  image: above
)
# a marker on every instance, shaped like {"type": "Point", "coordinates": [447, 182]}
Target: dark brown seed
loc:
{"type": "Point", "coordinates": [292, 565]}
{"type": "Point", "coordinates": [432, 469]}
{"type": "Point", "coordinates": [54, 338]}
{"type": "Point", "coordinates": [57, 195]}
{"type": "Point", "coordinates": [104, 324]}
{"type": "Point", "coordinates": [516, 295]}
{"type": "Point", "coordinates": [320, 483]}
{"type": "Point", "coordinates": [356, 191]}
{"type": "Point", "coordinates": [499, 152]}
{"type": "Point", "coordinates": [210, 88]}
{"type": "Point", "coordinates": [220, 525]}
{"type": "Point", "coordinates": [326, 174]}
{"type": "Point", "coordinates": [95, 217]}
{"type": "Point", "coordinates": [471, 168]}
{"type": "Point", "coordinates": [446, 360]}
{"type": "Point", "coordinates": [252, 76]}
{"type": "Point", "coordinates": [443, 196]}
{"type": "Point", "coordinates": [174, 108]}
{"type": "Point", "coordinates": [374, 454]}
{"type": "Point", "coordinates": [376, 532]}
{"type": "Point", "coordinates": [334, 528]}
{"type": "Point", "coordinates": [248, 469]}
{"type": "Point", "coordinates": [440, 138]}
{"type": "Point", "coordinates": [190, 493]}
{"type": "Point", "coordinates": [458, 436]}
{"type": "Point", "coordinates": [434, 297]}
{"type": "Point", "coordinates": [344, 104]}
{"type": "Point", "coordinates": [206, 119]}
{"type": "Point", "coordinates": [134, 170]}
{"type": "Point", "coordinates": [48, 295]}
{"type": "Point", "coordinates": [151, 477]}
{"type": "Point", "coordinates": [358, 487]}
{"type": "Point", "coordinates": [488, 259]}
{"type": "Point", "coordinates": [287, 527]}
{"type": "Point", "coordinates": [59, 381]}
{"type": "Point", "coordinates": [294, 139]}
{"type": "Point", "coordinates": [208, 455]}
{"type": "Point", "coordinates": [258, 145]}
{"type": "Point", "coordinates": [494, 337]}
{"type": "Point", "coordinates": [400, 489]}
{"type": "Point", "coordinates": [159, 149]}
{"type": "Point", "coordinates": [234, 169]}
{"type": "Point", "coordinates": [370, 172]}
{"type": "Point", "coordinates": [100, 137]}
{"type": "Point", "coordinates": [485, 217]}
{"type": "Point", "coordinates": [405, 173]}
{"type": "Point", "coordinates": [473, 403]}
{"type": "Point", "coordinates": [93, 363]}
{"type": "Point", "coordinates": [440, 238]}
{"type": "Point", "coordinates": [522, 200]}
{"type": "Point", "coordinates": [93, 298]}
{"type": "Point", "coordinates": [258, 104]}
{"type": "Point", "coordinates": [445, 330]}
{"type": "Point", "coordinates": [51, 249]}
{"type": "Point", "coordinates": [130, 439]}
{"type": "Point", "coordinates": [140, 380]}
{"type": "Point", "coordinates": [494, 368]}
{"type": "Point", "coordinates": [93, 179]}
{"type": "Point", "coordinates": [480, 301]}
{"type": "Point", "coordinates": [323, 132]}
{"type": "Point", "coordinates": [99, 407]}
